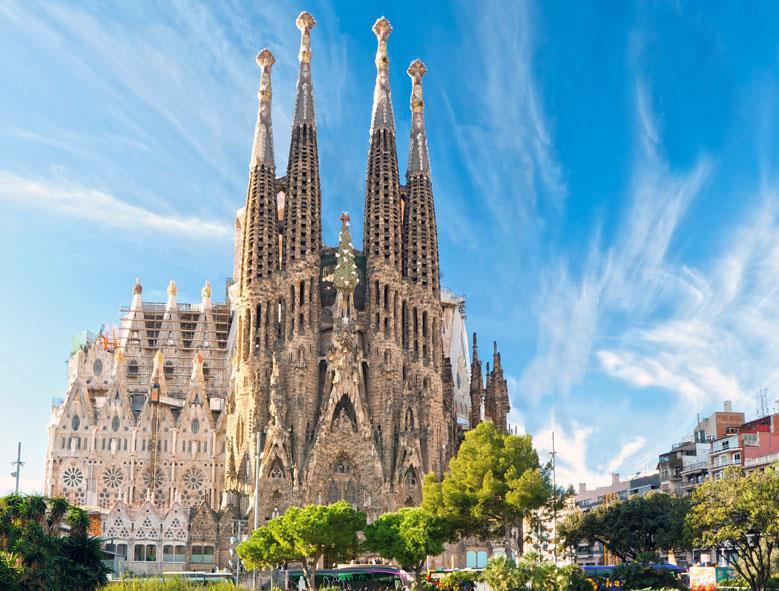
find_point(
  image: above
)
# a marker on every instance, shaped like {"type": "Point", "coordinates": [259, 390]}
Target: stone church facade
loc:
{"type": "Point", "coordinates": [328, 373]}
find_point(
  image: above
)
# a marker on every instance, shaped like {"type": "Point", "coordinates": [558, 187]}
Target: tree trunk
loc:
{"type": "Point", "coordinates": [520, 539]}
{"type": "Point", "coordinates": [310, 571]}
{"type": "Point", "coordinates": [509, 540]}
{"type": "Point", "coordinates": [418, 575]}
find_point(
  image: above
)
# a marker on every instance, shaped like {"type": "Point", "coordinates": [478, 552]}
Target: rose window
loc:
{"type": "Point", "coordinates": [113, 477]}
{"type": "Point", "coordinates": [193, 479]}
{"type": "Point", "coordinates": [153, 478]}
{"type": "Point", "coordinates": [72, 477]}
{"type": "Point", "coordinates": [106, 497]}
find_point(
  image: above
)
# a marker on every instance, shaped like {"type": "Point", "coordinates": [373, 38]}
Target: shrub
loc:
{"type": "Point", "coordinates": [644, 576]}
{"type": "Point", "coordinates": [458, 581]}
{"type": "Point", "coordinates": [531, 572]}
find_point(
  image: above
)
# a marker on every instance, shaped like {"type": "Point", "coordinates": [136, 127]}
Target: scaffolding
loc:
{"type": "Point", "coordinates": [144, 339]}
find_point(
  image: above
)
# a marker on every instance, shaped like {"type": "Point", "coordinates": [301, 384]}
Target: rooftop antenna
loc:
{"type": "Point", "coordinates": [18, 463]}
{"type": "Point", "coordinates": [762, 402]}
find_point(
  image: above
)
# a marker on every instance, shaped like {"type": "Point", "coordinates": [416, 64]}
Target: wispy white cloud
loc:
{"type": "Point", "coordinates": [573, 453]}
{"type": "Point", "coordinates": [504, 139]}
{"type": "Point", "coordinates": [721, 344]}
{"type": "Point", "coordinates": [633, 276]}
{"type": "Point", "coordinates": [629, 449]}
{"type": "Point", "coordinates": [567, 313]}
{"type": "Point", "coordinates": [99, 207]}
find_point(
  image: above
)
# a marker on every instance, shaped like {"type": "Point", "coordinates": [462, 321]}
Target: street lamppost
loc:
{"type": "Point", "coordinates": [257, 466]}
{"type": "Point", "coordinates": [235, 539]}
{"type": "Point", "coordinates": [18, 463]}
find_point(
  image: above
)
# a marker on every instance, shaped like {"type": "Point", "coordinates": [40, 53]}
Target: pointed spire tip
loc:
{"type": "Point", "coordinates": [417, 69]}
{"type": "Point", "coordinates": [305, 20]}
{"type": "Point", "coordinates": [382, 28]}
{"type": "Point", "coordinates": [265, 58]}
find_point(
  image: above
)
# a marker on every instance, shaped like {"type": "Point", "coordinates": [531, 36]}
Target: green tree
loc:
{"type": "Point", "coordinates": [739, 515]}
{"type": "Point", "coordinates": [407, 536]}
{"type": "Point", "coordinates": [304, 534]}
{"type": "Point", "coordinates": [492, 484]}
{"type": "Point", "coordinates": [633, 529]}
{"type": "Point", "coordinates": [36, 553]}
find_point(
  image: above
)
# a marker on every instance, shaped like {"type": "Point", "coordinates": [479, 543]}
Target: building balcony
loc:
{"type": "Point", "coordinates": [760, 460]}
{"type": "Point", "coordinates": [720, 465]}
{"type": "Point", "coordinates": [695, 467]}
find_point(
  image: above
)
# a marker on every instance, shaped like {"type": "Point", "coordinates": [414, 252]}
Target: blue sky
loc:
{"type": "Point", "coordinates": [604, 178]}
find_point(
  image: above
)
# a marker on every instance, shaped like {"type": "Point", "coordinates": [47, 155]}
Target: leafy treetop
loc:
{"type": "Point", "coordinates": [407, 536]}
{"type": "Point", "coordinates": [740, 514]}
{"type": "Point", "coordinates": [633, 529]}
{"type": "Point", "coordinates": [305, 534]}
{"type": "Point", "coordinates": [493, 482]}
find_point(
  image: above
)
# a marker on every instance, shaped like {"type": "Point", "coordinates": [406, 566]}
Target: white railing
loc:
{"type": "Point", "coordinates": [769, 459]}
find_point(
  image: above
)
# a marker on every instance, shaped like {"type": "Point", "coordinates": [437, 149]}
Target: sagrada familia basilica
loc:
{"type": "Point", "coordinates": [328, 373]}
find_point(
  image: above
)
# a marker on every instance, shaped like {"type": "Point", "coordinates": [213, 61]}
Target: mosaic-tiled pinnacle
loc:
{"type": "Point", "coordinates": [383, 117]}
{"type": "Point", "coordinates": [262, 149]}
{"type": "Point", "coordinates": [304, 98]}
{"type": "Point", "coordinates": [418, 159]}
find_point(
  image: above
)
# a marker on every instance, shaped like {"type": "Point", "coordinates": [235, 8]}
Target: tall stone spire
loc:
{"type": "Point", "coordinates": [259, 253]}
{"type": "Point", "coordinates": [262, 149]}
{"type": "Point", "coordinates": [477, 387]}
{"type": "Point", "coordinates": [382, 231]}
{"type": "Point", "coordinates": [303, 201]}
{"type": "Point", "coordinates": [496, 399]}
{"type": "Point", "coordinates": [420, 235]}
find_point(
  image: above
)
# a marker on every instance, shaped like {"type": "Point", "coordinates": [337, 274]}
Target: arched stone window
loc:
{"type": "Point", "coordinates": [97, 367]}
{"type": "Point", "coordinates": [75, 422]}
{"type": "Point", "coordinates": [410, 477]}
{"type": "Point", "coordinates": [276, 471]}
{"type": "Point", "coordinates": [115, 424]}
{"type": "Point", "coordinates": [195, 426]}
{"type": "Point", "coordinates": [342, 466]}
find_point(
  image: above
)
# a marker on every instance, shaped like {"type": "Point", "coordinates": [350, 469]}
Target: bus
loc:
{"type": "Point", "coordinates": [354, 578]}
{"type": "Point", "coordinates": [602, 577]}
